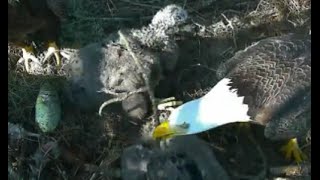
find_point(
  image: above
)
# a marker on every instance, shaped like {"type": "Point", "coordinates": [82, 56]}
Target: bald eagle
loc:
{"type": "Point", "coordinates": [30, 20]}
{"type": "Point", "coordinates": [269, 83]}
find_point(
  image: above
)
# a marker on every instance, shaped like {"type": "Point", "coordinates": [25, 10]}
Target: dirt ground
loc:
{"type": "Point", "coordinates": [90, 143]}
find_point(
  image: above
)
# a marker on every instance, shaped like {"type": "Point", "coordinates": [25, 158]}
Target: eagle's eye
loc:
{"type": "Point", "coordinates": [184, 125]}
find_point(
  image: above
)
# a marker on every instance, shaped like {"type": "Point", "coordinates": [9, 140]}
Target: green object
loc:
{"type": "Point", "coordinates": [48, 109]}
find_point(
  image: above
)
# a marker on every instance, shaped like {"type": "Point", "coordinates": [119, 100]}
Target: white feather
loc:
{"type": "Point", "coordinates": [218, 107]}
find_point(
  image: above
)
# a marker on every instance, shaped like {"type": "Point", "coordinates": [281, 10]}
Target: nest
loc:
{"type": "Point", "coordinates": [91, 143]}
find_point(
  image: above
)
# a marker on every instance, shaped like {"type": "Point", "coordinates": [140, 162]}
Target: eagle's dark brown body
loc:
{"type": "Point", "coordinates": [34, 20]}
{"type": "Point", "coordinates": [274, 76]}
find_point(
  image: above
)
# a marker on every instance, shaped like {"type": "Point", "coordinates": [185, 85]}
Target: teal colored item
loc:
{"type": "Point", "coordinates": [48, 108]}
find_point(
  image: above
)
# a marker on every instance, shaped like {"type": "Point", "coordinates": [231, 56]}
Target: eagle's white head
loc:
{"type": "Point", "coordinates": [221, 105]}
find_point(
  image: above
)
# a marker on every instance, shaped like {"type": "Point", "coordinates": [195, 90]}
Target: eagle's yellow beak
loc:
{"type": "Point", "coordinates": [166, 131]}
{"type": "Point", "coordinates": [163, 131]}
